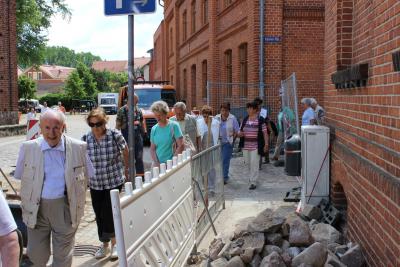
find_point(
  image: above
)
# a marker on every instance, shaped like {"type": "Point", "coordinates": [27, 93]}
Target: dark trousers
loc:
{"type": "Point", "coordinates": [139, 166]}
{"type": "Point", "coordinates": [101, 202]}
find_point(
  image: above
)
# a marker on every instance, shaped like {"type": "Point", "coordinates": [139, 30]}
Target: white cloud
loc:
{"type": "Point", "coordinates": [89, 30]}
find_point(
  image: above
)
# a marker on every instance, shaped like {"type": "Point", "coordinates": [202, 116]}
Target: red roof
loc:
{"type": "Point", "coordinates": [119, 65]}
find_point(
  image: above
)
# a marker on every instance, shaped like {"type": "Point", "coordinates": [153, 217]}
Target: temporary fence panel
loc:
{"type": "Point", "coordinates": [207, 174]}
{"type": "Point", "coordinates": [33, 130]}
{"type": "Point", "coordinates": [155, 223]}
{"type": "Point", "coordinates": [289, 106]}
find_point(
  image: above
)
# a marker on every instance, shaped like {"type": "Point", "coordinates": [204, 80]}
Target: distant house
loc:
{"type": "Point", "coordinates": [49, 78]}
{"type": "Point", "coordinates": [20, 71]}
{"type": "Point", "coordinates": [119, 66]}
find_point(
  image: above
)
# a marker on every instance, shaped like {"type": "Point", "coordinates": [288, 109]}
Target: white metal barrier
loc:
{"type": "Point", "coordinates": [155, 223]}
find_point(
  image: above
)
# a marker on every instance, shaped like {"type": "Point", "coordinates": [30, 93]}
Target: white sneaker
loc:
{"type": "Point", "coordinates": [114, 253]}
{"type": "Point", "coordinates": [102, 252]}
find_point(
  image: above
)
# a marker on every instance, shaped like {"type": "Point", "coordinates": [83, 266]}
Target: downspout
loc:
{"type": "Point", "coordinates": [261, 52]}
{"type": "Point", "coordinates": [9, 59]}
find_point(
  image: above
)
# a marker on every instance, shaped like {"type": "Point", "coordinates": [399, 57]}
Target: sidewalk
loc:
{"type": "Point", "coordinates": [240, 203]}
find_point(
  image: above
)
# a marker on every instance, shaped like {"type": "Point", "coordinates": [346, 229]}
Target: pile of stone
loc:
{"type": "Point", "coordinates": [272, 239]}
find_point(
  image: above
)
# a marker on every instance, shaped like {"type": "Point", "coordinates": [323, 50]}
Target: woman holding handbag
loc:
{"type": "Point", "coordinates": [108, 151]}
{"type": "Point", "coordinates": [166, 138]}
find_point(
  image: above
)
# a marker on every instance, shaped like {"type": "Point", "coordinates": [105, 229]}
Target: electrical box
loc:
{"type": "Point", "coordinates": [315, 164]}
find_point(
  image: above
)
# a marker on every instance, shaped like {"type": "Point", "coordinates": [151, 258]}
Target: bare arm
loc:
{"type": "Point", "coordinates": [180, 146]}
{"type": "Point", "coordinates": [266, 140]}
{"type": "Point", "coordinates": [9, 250]}
{"type": "Point", "coordinates": [153, 154]}
{"type": "Point", "coordinates": [198, 143]}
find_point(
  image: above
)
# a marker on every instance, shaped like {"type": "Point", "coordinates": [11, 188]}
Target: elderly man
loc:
{"type": "Point", "coordinates": [319, 112]}
{"type": "Point", "coordinates": [9, 247]}
{"type": "Point", "coordinates": [138, 122]}
{"type": "Point", "coordinates": [308, 115]}
{"type": "Point", "coordinates": [53, 170]}
{"type": "Point", "coordinates": [188, 125]}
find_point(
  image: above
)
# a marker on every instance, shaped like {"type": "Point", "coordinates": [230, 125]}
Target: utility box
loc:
{"type": "Point", "coordinates": [315, 164]}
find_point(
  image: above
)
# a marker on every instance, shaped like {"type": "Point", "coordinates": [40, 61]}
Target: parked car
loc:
{"type": "Point", "coordinates": [25, 104]}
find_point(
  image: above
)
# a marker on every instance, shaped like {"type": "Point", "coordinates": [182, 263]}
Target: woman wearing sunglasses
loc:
{"type": "Point", "coordinates": [108, 152]}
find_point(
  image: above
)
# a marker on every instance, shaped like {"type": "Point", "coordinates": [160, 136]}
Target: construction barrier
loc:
{"type": "Point", "coordinates": [33, 130]}
{"type": "Point", "coordinates": [155, 223]}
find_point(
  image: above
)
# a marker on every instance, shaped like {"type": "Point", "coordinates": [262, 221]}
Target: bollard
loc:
{"type": "Point", "coordinates": [179, 159]}
{"type": "Point", "coordinates": [163, 169]}
{"type": "Point", "coordinates": [138, 184]}
{"type": "Point", "coordinates": [184, 155]}
{"type": "Point", "coordinates": [169, 165]}
{"type": "Point", "coordinates": [156, 174]}
{"type": "Point", "coordinates": [128, 188]}
{"type": "Point", "coordinates": [174, 161]}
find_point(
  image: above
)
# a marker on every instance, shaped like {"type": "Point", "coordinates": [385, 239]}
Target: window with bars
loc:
{"type": "Point", "coordinates": [204, 77]}
{"type": "Point", "coordinates": [184, 25]}
{"type": "Point", "coordinates": [171, 42]}
{"type": "Point", "coordinates": [193, 86]}
{"type": "Point", "coordinates": [193, 18]}
{"type": "Point", "coordinates": [243, 69]}
{"type": "Point", "coordinates": [205, 11]}
{"type": "Point", "coordinates": [228, 72]}
{"type": "Point", "coordinates": [184, 87]}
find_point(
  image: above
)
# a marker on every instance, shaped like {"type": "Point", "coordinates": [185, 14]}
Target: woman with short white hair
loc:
{"type": "Point", "coordinates": [308, 115]}
{"type": "Point", "coordinates": [166, 138]}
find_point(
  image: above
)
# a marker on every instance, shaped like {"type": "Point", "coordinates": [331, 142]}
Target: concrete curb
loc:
{"type": "Point", "coordinates": [12, 130]}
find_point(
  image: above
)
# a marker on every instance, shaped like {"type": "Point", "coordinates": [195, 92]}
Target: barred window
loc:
{"type": "Point", "coordinates": [204, 77]}
{"type": "Point", "coordinates": [193, 9]}
{"type": "Point", "coordinates": [184, 26]}
{"type": "Point", "coordinates": [228, 72]}
{"type": "Point", "coordinates": [243, 69]}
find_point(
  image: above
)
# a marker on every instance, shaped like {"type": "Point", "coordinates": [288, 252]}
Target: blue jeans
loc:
{"type": "Point", "coordinates": [227, 149]}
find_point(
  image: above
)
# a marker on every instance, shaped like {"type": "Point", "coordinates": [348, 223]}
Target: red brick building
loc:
{"type": "Point", "coordinates": [362, 99]}
{"type": "Point", "coordinates": [218, 41]}
{"type": "Point", "coordinates": [8, 64]}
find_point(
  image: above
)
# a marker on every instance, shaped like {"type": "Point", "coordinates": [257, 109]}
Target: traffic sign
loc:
{"type": "Point", "coordinates": [126, 7]}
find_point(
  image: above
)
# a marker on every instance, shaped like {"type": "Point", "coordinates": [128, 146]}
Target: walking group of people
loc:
{"type": "Point", "coordinates": [55, 170]}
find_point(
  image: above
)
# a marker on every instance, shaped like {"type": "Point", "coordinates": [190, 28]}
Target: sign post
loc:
{"type": "Point", "coordinates": [130, 7]}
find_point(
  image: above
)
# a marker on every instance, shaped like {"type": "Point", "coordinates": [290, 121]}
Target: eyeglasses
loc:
{"type": "Point", "coordinates": [97, 124]}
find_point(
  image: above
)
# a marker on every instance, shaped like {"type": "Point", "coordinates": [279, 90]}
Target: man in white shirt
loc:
{"type": "Point", "coordinates": [9, 247]}
{"type": "Point", "coordinates": [53, 170]}
{"type": "Point", "coordinates": [44, 108]}
{"type": "Point", "coordinates": [308, 115]}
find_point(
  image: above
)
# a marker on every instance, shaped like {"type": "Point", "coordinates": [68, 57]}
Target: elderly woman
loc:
{"type": "Point", "coordinates": [254, 141]}
{"type": "Point", "coordinates": [228, 128]}
{"type": "Point", "coordinates": [308, 115]}
{"type": "Point", "coordinates": [166, 137]}
{"type": "Point", "coordinates": [204, 123]}
{"type": "Point", "coordinates": [108, 152]}
{"type": "Point", "coordinates": [188, 125]}
{"type": "Point", "coordinates": [319, 112]}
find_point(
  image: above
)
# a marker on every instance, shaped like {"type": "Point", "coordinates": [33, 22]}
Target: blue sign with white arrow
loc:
{"type": "Point", "coordinates": [127, 7]}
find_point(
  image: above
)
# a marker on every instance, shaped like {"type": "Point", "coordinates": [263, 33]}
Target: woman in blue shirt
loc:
{"type": "Point", "coordinates": [166, 136]}
{"type": "Point", "coordinates": [308, 115]}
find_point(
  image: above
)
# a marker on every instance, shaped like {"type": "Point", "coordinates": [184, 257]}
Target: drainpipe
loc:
{"type": "Point", "coordinates": [261, 52]}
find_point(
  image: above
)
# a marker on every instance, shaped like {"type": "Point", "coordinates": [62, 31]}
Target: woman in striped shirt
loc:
{"type": "Point", "coordinates": [254, 141]}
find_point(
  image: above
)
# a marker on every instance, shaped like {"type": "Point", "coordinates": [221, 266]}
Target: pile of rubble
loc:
{"type": "Point", "coordinates": [274, 240]}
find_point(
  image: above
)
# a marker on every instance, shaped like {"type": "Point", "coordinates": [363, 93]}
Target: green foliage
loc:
{"type": "Point", "coordinates": [87, 78]}
{"type": "Point", "coordinates": [63, 56]}
{"type": "Point", "coordinates": [33, 18]}
{"type": "Point", "coordinates": [52, 99]}
{"type": "Point", "coordinates": [109, 81]}
{"type": "Point", "coordinates": [26, 87]}
{"type": "Point", "coordinates": [74, 86]}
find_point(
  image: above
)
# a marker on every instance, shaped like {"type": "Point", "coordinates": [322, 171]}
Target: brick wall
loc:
{"type": "Point", "coordinates": [238, 23]}
{"type": "Point", "coordinates": [8, 64]}
{"type": "Point", "coordinates": [366, 123]}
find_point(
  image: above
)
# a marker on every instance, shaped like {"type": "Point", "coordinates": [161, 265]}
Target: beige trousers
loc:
{"type": "Point", "coordinates": [53, 220]}
{"type": "Point", "coordinates": [251, 160]}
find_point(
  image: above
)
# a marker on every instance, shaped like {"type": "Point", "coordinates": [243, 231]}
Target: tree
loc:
{"type": "Point", "coordinates": [87, 78]}
{"type": "Point", "coordinates": [26, 87]}
{"type": "Point", "coordinates": [102, 79]}
{"type": "Point", "coordinates": [33, 18]}
{"type": "Point", "coordinates": [74, 86]}
{"type": "Point", "coordinates": [60, 55]}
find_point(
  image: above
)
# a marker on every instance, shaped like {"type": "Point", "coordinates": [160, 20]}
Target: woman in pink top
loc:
{"type": "Point", "coordinates": [254, 141]}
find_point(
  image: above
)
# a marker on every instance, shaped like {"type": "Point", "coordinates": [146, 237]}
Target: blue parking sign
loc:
{"type": "Point", "coordinates": [126, 7]}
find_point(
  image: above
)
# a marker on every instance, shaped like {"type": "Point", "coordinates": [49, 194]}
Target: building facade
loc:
{"type": "Point", "coordinates": [218, 42]}
{"type": "Point", "coordinates": [362, 99]}
{"type": "Point", "coordinates": [8, 64]}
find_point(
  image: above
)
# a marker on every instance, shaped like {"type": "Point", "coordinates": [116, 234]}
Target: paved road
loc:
{"type": "Point", "coordinates": [76, 127]}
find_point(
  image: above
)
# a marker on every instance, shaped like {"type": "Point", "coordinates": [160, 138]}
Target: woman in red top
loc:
{"type": "Point", "coordinates": [254, 141]}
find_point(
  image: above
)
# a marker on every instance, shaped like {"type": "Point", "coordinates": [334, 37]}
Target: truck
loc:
{"type": "Point", "coordinates": [149, 92]}
{"type": "Point", "coordinates": [109, 102]}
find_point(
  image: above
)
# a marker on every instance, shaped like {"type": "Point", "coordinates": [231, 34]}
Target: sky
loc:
{"type": "Point", "coordinates": [89, 30]}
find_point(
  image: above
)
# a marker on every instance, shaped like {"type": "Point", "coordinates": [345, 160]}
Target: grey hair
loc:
{"type": "Point", "coordinates": [51, 113]}
{"type": "Point", "coordinates": [180, 105]}
{"type": "Point", "coordinates": [306, 101]}
{"type": "Point", "coordinates": [160, 107]}
{"type": "Point", "coordinates": [313, 101]}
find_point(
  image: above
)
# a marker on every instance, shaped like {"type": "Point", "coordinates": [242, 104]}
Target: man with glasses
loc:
{"type": "Point", "coordinates": [53, 170]}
